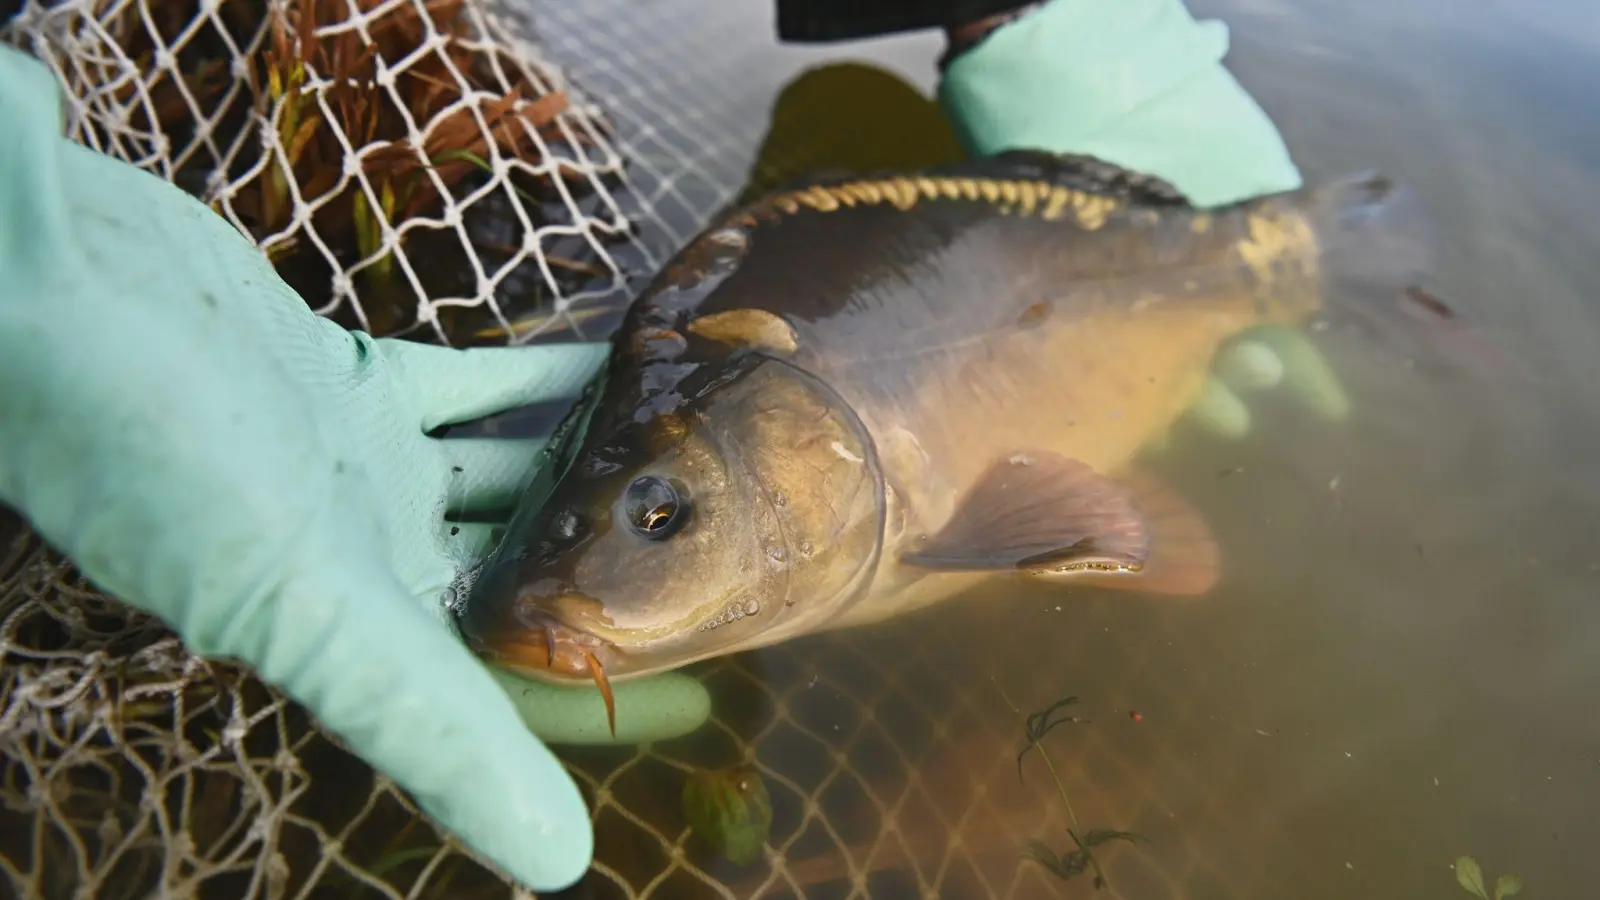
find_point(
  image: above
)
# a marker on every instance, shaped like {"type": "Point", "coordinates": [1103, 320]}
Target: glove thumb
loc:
{"type": "Point", "coordinates": [344, 638]}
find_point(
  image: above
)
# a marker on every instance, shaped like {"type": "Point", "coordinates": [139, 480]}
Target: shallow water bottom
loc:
{"type": "Point", "coordinates": [1361, 701]}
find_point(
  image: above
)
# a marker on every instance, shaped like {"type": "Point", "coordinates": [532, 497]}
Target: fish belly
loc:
{"type": "Point", "coordinates": [1096, 390]}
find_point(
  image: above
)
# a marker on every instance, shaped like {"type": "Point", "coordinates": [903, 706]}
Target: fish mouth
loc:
{"type": "Point", "coordinates": [547, 649]}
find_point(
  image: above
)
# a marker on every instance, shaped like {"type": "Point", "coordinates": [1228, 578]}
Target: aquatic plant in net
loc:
{"type": "Point", "coordinates": [408, 165]}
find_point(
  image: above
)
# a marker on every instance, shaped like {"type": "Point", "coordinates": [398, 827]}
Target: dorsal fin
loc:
{"type": "Point", "coordinates": [1076, 171]}
{"type": "Point", "coordinates": [1080, 172]}
{"type": "Point", "coordinates": [1021, 182]}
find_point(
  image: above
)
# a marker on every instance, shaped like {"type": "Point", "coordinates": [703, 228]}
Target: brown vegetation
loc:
{"type": "Point", "coordinates": [317, 81]}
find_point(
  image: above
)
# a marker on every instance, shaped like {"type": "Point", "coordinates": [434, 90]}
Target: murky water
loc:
{"type": "Point", "coordinates": [1403, 662]}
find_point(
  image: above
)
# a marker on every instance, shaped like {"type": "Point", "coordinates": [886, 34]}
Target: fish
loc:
{"type": "Point", "coordinates": [860, 396]}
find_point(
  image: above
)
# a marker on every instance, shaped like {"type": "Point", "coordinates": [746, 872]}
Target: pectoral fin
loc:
{"type": "Point", "coordinates": [1054, 517]}
{"type": "Point", "coordinates": [1037, 505]}
{"type": "Point", "coordinates": [1183, 557]}
{"type": "Point", "coordinates": [754, 328]}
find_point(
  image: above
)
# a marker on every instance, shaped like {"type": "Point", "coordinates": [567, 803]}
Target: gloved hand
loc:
{"type": "Point", "coordinates": [175, 419]}
{"type": "Point", "coordinates": [1140, 83]}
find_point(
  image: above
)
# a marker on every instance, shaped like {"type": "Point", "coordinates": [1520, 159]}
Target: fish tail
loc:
{"type": "Point", "coordinates": [1373, 235]}
{"type": "Point", "coordinates": [1376, 247]}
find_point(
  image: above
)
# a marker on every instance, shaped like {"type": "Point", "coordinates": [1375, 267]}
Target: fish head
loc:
{"type": "Point", "coordinates": [716, 518]}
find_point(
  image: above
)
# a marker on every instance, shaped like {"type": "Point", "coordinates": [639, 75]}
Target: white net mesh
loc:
{"type": "Point", "coordinates": [416, 168]}
{"type": "Point", "coordinates": [407, 164]}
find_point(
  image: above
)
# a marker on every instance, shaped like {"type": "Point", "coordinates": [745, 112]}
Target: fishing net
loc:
{"type": "Point", "coordinates": [424, 169]}
{"type": "Point", "coordinates": [408, 165]}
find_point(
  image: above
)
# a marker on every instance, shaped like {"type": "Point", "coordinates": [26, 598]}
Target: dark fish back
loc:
{"type": "Point", "coordinates": [877, 266]}
{"type": "Point", "coordinates": [889, 277]}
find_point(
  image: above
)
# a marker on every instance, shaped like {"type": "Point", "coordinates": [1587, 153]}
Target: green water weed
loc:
{"type": "Point", "coordinates": [1470, 876]}
{"type": "Point", "coordinates": [1070, 863]}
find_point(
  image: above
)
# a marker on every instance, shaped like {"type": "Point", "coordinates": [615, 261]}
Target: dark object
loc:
{"type": "Point", "coordinates": [9, 10]}
{"type": "Point", "coordinates": [1429, 302]}
{"type": "Point", "coordinates": [822, 21]}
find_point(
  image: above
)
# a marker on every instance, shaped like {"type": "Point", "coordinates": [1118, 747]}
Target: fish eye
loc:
{"type": "Point", "coordinates": [654, 507]}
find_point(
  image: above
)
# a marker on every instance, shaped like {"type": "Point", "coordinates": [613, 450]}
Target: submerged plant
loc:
{"type": "Point", "coordinates": [1076, 862]}
{"type": "Point", "coordinates": [1470, 876]}
{"type": "Point", "coordinates": [348, 122]}
{"type": "Point", "coordinates": [730, 810]}
{"type": "Point", "coordinates": [1070, 863]}
{"type": "Point", "coordinates": [1039, 724]}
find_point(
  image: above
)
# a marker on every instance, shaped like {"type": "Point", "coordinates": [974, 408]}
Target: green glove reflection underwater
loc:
{"type": "Point", "coordinates": [203, 446]}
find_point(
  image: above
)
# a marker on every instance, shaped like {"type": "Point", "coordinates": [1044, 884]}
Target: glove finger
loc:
{"type": "Point", "coordinates": [1220, 411]}
{"type": "Point", "coordinates": [455, 386]}
{"type": "Point", "coordinates": [657, 708]}
{"type": "Point", "coordinates": [1307, 376]}
{"type": "Point", "coordinates": [490, 474]}
{"type": "Point", "coordinates": [349, 642]}
{"type": "Point", "coordinates": [1250, 365]}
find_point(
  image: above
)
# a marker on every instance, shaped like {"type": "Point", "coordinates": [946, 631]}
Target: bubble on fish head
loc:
{"type": "Point", "coordinates": [678, 536]}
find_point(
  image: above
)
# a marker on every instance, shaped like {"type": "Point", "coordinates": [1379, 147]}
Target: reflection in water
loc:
{"type": "Point", "coordinates": [849, 116]}
{"type": "Point", "coordinates": [1398, 666]}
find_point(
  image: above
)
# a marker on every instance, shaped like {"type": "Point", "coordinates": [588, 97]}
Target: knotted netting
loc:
{"type": "Point", "coordinates": [408, 165]}
{"type": "Point", "coordinates": [422, 168]}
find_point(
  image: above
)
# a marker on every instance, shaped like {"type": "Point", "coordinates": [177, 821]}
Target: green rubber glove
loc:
{"type": "Point", "coordinates": [1140, 83]}
{"type": "Point", "coordinates": [175, 419]}
{"type": "Point", "coordinates": [1136, 82]}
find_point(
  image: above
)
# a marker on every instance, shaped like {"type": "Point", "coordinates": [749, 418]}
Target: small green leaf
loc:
{"type": "Point", "coordinates": [730, 810]}
{"type": "Point", "coordinates": [1507, 886]}
{"type": "Point", "coordinates": [1470, 876]}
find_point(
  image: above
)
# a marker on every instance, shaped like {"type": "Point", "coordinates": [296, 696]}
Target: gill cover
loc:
{"type": "Point", "coordinates": [783, 527]}
{"type": "Point", "coordinates": [816, 470]}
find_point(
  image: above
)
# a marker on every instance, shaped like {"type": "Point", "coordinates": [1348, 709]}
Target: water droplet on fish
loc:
{"type": "Point", "coordinates": [805, 548]}
{"type": "Point", "coordinates": [751, 607]}
{"type": "Point", "coordinates": [776, 554]}
{"type": "Point", "coordinates": [730, 237]}
{"type": "Point", "coordinates": [779, 500]}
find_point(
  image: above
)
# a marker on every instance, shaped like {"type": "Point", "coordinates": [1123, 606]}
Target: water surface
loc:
{"type": "Point", "coordinates": [1400, 666]}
